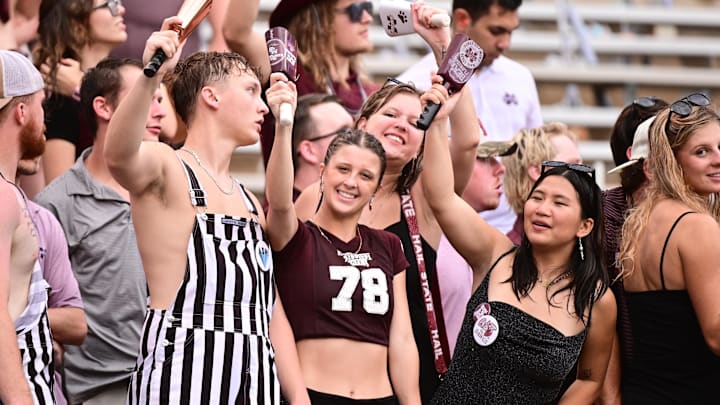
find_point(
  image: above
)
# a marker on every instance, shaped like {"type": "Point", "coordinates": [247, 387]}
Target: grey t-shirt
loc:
{"type": "Point", "coordinates": [106, 262]}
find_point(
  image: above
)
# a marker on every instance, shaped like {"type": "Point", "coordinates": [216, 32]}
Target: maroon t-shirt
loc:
{"type": "Point", "coordinates": [353, 96]}
{"type": "Point", "coordinates": [329, 295]}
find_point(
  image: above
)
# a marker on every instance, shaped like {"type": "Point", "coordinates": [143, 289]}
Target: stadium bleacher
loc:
{"type": "Point", "coordinates": [606, 51]}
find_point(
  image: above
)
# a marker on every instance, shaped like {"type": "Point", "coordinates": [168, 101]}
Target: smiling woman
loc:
{"type": "Point", "coordinates": [352, 309]}
{"type": "Point", "coordinates": [74, 35]}
{"type": "Point", "coordinates": [671, 275]}
{"type": "Point", "coordinates": [537, 308]}
{"type": "Point", "coordinates": [552, 141]}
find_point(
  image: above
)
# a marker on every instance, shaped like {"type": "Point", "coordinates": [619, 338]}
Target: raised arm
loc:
{"type": "Point", "coordinates": [13, 386]}
{"type": "Point", "coordinates": [132, 163]}
{"type": "Point", "coordinates": [281, 217]}
{"type": "Point", "coordinates": [307, 202]}
{"type": "Point", "coordinates": [701, 269]}
{"type": "Point", "coordinates": [241, 38]}
{"type": "Point", "coordinates": [464, 125]}
{"type": "Point", "coordinates": [478, 242]}
{"type": "Point", "coordinates": [216, 18]}
{"type": "Point", "coordinates": [595, 354]}
{"type": "Point", "coordinates": [464, 139]}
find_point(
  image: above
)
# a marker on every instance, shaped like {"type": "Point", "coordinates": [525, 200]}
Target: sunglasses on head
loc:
{"type": "Point", "coordinates": [355, 10]}
{"type": "Point", "coordinates": [683, 107]}
{"type": "Point", "coordinates": [331, 134]}
{"type": "Point", "coordinates": [112, 5]}
{"type": "Point", "coordinates": [391, 81]}
{"type": "Point", "coordinates": [576, 167]}
{"type": "Point", "coordinates": [645, 102]}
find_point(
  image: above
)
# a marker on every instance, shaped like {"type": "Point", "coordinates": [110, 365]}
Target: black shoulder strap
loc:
{"type": "Point", "coordinates": [667, 239]}
{"type": "Point", "coordinates": [512, 249]}
{"type": "Point", "coordinates": [197, 194]}
{"type": "Point", "coordinates": [248, 201]}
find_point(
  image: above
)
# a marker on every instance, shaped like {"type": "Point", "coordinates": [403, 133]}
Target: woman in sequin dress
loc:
{"type": "Point", "coordinates": [535, 309]}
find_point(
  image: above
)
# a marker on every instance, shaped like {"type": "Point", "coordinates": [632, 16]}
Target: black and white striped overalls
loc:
{"type": "Point", "coordinates": [34, 339]}
{"type": "Point", "coordinates": [212, 346]}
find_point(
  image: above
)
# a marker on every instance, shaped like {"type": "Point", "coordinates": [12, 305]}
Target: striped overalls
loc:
{"type": "Point", "coordinates": [35, 341]}
{"type": "Point", "coordinates": [211, 346]}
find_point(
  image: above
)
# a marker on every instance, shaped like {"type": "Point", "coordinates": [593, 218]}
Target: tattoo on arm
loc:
{"type": "Point", "coordinates": [584, 374]}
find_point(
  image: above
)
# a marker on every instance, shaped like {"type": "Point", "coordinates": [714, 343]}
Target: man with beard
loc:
{"type": "Point", "coordinates": [25, 340]}
{"type": "Point", "coordinates": [94, 211]}
{"type": "Point", "coordinates": [504, 91]}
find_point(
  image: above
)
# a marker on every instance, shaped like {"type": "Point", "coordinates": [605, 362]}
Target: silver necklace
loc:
{"type": "Point", "coordinates": [352, 258]}
{"type": "Point", "coordinates": [199, 162]}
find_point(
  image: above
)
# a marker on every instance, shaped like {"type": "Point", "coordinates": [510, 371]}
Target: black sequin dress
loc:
{"type": "Point", "coordinates": [526, 364]}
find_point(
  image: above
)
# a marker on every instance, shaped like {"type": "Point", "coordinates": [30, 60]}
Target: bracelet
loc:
{"type": "Point", "coordinates": [443, 51]}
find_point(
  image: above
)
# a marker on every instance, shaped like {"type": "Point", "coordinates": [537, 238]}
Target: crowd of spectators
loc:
{"type": "Point", "coordinates": [476, 261]}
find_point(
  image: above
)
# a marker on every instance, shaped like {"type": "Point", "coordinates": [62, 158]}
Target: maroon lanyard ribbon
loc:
{"type": "Point", "coordinates": [438, 337]}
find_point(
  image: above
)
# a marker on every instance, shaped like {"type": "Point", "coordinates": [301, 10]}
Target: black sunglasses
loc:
{"type": "Point", "coordinates": [355, 10]}
{"type": "Point", "coordinates": [645, 102]}
{"type": "Point", "coordinates": [684, 106]}
{"type": "Point", "coordinates": [331, 134]}
{"type": "Point", "coordinates": [576, 167]}
{"type": "Point", "coordinates": [112, 5]}
{"type": "Point", "coordinates": [391, 81]}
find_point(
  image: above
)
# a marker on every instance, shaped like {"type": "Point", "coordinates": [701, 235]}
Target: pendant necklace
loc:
{"type": "Point", "coordinates": [199, 162]}
{"type": "Point", "coordinates": [352, 258]}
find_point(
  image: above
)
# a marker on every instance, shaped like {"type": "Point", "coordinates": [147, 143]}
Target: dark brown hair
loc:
{"type": "Point", "coordinates": [63, 31]}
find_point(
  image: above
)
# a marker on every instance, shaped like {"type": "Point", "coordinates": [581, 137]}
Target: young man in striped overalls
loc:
{"type": "Point", "coordinates": [25, 340]}
{"type": "Point", "coordinates": [206, 337]}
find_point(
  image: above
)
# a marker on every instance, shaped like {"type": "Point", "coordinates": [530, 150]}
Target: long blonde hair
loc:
{"type": "Point", "coordinates": [534, 147]}
{"type": "Point", "coordinates": [667, 179]}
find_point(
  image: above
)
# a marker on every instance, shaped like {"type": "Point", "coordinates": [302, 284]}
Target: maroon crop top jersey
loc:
{"type": "Point", "coordinates": [330, 291]}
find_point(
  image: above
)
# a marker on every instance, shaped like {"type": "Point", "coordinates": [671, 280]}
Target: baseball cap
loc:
{"type": "Point", "coordinates": [285, 10]}
{"type": "Point", "coordinates": [494, 149]}
{"type": "Point", "coordinates": [18, 77]}
{"type": "Point", "coordinates": [640, 145]}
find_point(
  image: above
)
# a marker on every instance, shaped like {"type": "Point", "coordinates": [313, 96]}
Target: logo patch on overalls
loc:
{"type": "Point", "coordinates": [262, 255]}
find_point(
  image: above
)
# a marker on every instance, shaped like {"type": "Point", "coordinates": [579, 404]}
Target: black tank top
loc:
{"type": "Point", "coordinates": [670, 363]}
{"type": "Point", "coordinates": [429, 379]}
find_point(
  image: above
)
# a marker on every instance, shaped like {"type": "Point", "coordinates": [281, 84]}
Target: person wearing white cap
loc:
{"type": "Point", "coordinates": [25, 340]}
{"type": "Point", "coordinates": [640, 147]}
{"type": "Point", "coordinates": [631, 126]}
{"type": "Point", "coordinates": [670, 266]}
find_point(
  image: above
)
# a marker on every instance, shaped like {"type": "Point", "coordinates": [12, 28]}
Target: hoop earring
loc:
{"type": "Point", "coordinates": [582, 250]}
{"type": "Point", "coordinates": [371, 202]}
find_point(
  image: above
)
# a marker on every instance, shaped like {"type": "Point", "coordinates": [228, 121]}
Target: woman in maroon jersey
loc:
{"type": "Point", "coordinates": [342, 284]}
{"type": "Point", "coordinates": [399, 206]}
